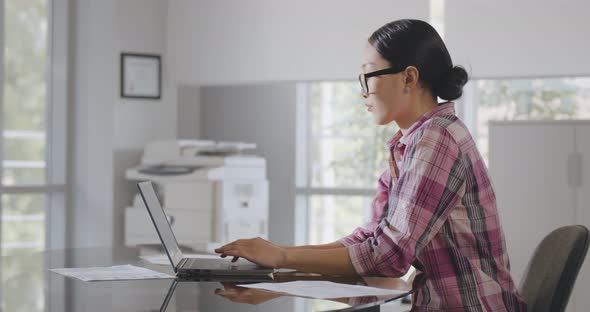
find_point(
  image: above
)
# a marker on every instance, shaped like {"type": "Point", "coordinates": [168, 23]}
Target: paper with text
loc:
{"type": "Point", "coordinates": [112, 273]}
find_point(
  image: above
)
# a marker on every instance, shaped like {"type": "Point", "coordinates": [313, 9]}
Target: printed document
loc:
{"type": "Point", "coordinates": [112, 273]}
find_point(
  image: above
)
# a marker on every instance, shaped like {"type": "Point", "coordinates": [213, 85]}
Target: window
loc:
{"type": "Point", "coordinates": [341, 153]}
{"type": "Point", "coordinates": [32, 147]}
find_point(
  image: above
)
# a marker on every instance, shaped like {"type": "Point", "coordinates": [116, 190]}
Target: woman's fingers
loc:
{"type": "Point", "coordinates": [227, 246]}
{"type": "Point", "coordinates": [239, 242]}
{"type": "Point", "coordinates": [257, 250]}
{"type": "Point", "coordinates": [225, 249]}
{"type": "Point", "coordinates": [234, 251]}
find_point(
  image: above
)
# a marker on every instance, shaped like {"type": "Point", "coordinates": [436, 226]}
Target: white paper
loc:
{"type": "Point", "coordinates": [113, 273]}
{"type": "Point", "coordinates": [324, 289]}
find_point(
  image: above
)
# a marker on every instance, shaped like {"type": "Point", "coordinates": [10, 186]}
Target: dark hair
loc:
{"type": "Point", "coordinates": [410, 42]}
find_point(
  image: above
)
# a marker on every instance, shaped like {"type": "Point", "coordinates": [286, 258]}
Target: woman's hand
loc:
{"type": "Point", "coordinates": [257, 250]}
{"type": "Point", "coordinates": [246, 295]}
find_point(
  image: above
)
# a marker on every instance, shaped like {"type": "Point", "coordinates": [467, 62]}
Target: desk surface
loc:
{"type": "Point", "coordinates": [27, 285]}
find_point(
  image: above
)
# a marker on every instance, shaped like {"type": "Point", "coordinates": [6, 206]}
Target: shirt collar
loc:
{"type": "Point", "coordinates": [443, 109]}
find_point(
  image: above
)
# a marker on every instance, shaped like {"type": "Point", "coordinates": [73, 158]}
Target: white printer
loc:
{"type": "Point", "coordinates": [211, 192]}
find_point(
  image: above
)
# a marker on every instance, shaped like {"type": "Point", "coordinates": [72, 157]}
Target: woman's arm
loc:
{"type": "Point", "coordinates": [332, 245]}
{"type": "Point", "coordinates": [333, 261]}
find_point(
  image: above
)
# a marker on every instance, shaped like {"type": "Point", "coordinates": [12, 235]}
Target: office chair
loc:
{"type": "Point", "coordinates": [551, 273]}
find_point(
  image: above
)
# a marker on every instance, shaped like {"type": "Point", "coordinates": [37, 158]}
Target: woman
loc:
{"type": "Point", "coordinates": [435, 208]}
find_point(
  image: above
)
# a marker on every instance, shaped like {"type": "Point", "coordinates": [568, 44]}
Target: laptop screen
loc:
{"type": "Point", "coordinates": [146, 189]}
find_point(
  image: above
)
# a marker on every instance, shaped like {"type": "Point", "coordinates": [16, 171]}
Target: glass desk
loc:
{"type": "Point", "coordinates": [28, 285]}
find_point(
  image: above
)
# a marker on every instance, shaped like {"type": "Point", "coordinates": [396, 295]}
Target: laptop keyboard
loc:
{"type": "Point", "coordinates": [206, 264]}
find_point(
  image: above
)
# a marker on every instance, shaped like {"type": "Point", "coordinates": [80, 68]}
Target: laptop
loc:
{"type": "Point", "coordinates": [186, 267]}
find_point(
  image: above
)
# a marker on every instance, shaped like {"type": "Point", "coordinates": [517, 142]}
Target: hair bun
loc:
{"type": "Point", "coordinates": [450, 86]}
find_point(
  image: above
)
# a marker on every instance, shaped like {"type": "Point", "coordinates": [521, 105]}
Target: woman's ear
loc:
{"type": "Point", "coordinates": [411, 77]}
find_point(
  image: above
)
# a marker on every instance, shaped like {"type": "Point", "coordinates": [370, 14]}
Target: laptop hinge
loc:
{"type": "Point", "coordinates": [181, 263]}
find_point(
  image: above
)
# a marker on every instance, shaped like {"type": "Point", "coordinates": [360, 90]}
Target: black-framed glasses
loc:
{"type": "Point", "coordinates": [364, 77]}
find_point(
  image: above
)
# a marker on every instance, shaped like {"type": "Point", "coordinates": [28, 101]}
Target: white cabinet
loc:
{"type": "Point", "coordinates": [540, 172]}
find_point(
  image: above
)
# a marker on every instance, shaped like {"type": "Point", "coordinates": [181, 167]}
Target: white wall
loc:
{"type": "Point", "coordinates": [102, 122]}
{"type": "Point", "coordinates": [141, 27]}
{"type": "Point", "coordinates": [188, 110]}
{"type": "Point", "coordinates": [526, 38]}
{"type": "Point", "coordinates": [233, 41]}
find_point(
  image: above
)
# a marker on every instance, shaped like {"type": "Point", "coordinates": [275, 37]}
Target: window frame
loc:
{"type": "Point", "coordinates": [1, 118]}
{"type": "Point", "coordinates": [56, 109]}
{"type": "Point", "coordinates": [55, 188]}
{"type": "Point", "coordinates": [56, 119]}
{"type": "Point", "coordinates": [1, 115]}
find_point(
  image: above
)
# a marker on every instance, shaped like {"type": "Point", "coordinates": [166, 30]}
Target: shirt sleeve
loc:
{"type": "Point", "coordinates": [378, 206]}
{"type": "Point", "coordinates": [431, 182]}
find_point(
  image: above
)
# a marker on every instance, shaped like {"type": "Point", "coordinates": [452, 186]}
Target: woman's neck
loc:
{"type": "Point", "coordinates": [419, 107]}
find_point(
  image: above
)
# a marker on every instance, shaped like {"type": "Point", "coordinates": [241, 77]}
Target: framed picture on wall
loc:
{"type": "Point", "coordinates": [141, 76]}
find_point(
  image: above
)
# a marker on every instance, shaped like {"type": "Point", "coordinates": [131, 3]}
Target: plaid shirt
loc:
{"type": "Point", "coordinates": [436, 210]}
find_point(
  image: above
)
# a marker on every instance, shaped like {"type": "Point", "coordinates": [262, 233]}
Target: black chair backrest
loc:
{"type": "Point", "coordinates": [552, 271]}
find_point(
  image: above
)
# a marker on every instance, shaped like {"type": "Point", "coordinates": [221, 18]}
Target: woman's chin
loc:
{"type": "Point", "coordinates": [380, 120]}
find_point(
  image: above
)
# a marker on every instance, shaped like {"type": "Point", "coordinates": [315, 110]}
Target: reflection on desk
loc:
{"type": "Point", "coordinates": [234, 293]}
{"type": "Point", "coordinates": [34, 288]}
